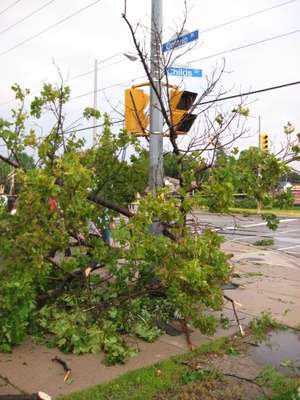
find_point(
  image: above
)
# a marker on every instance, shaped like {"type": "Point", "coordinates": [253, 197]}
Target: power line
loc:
{"type": "Point", "coordinates": [127, 56]}
{"type": "Point", "coordinates": [49, 27]}
{"type": "Point", "coordinates": [10, 6]}
{"type": "Point", "coordinates": [26, 17]}
{"type": "Point", "coordinates": [245, 46]}
{"type": "Point", "coordinates": [92, 127]}
{"type": "Point", "coordinates": [107, 87]}
{"type": "Point", "coordinates": [87, 73]}
{"type": "Point", "coordinates": [208, 102]}
{"type": "Point", "coordinates": [91, 92]}
{"type": "Point", "coordinates": [232, 21]}
{"type": "Point", "coordinates": [202, 103]}
{"type": "Point", "coordinates": [91, 70]}
{"type": "Point", "coordinates": [99, 62]}
{"type": "Point", "coordinates": [203, 31]}
{"type": "Point", "coordinates": [249, 93]}
{"type": "Point", "coordinates": [247, 16]}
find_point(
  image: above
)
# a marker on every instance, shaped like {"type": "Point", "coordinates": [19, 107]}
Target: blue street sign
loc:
{"type": "Point", "coordinates": [180, 41]}
{"type": "Point", "coordinates": [188, 72]}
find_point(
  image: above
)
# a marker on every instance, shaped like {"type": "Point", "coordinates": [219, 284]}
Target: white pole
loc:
{"type": "Point", "coordinates": [95, 101]}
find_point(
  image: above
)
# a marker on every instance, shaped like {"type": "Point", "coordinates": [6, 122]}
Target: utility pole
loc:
{"type": "Point", "coordinates": [259, 130]}
{"type": "Point", "coordinates": [156, 172]}
{"type": "Point", "coordinates": [95, 101]}
{"type": "Point", "coordinates": [259, 202]}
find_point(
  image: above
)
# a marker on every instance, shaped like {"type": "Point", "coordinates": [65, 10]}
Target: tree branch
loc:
{"type": "Point", "coordinates": [105, 203]}
{"type": "Point", "coordinates": [66, 280]}
{"type": "Point", "coordinates": [10, 162]}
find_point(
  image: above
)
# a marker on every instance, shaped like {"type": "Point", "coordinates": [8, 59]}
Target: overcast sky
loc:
{"type": "Point", "coordinates": [99, 32]}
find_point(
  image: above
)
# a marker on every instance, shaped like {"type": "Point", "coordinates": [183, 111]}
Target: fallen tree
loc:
{"type": "Point", "coordinates": [60, 279]}
{"type": "Point", "coordinates": [50, 262]}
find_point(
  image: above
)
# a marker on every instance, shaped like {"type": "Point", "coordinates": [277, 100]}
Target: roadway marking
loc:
{"type": "Point", "coordinates": [288, 231]}
{"type": "Point", "coordinates": [290, 247]}
{"type": "Point", "coordinates": [260, 224]}
{"type": "Point", "coordinates": [244, 238]}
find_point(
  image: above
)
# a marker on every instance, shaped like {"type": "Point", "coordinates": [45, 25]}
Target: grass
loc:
{"type": "Point", "coordinates": [146, 383]}
{"type": "Point", "coordinates": [282, 387]}
{"type": "Point", "coordinates": [141, 384]}
{"type": "Point", "coordinates": [264, 242]}
{"type": "Point", "coordinates": [181, 374]}
{"type": "Point", "coordinates": [260, 326]}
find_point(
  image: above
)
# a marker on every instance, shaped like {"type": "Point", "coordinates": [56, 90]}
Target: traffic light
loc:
{"type": "Point", "coordinates": [180, 103]}
{"type": "Point", "coordinates": [264, 142]}
{"type": "Point", "coordinates": [136, 120]}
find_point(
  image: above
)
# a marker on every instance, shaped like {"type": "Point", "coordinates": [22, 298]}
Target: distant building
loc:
{"type": "Point", "coordinates": [295, 189]}
{"type": "Point", "coordinates": [287, 186]}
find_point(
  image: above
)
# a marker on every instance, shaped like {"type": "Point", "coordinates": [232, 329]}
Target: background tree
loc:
{"type": "Point", "coordinates": [6, 171]}
{"type": "Point", "coordinates": [292, 177]}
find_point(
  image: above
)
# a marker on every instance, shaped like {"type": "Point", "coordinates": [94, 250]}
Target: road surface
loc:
{"type": "Point", "coordinates": [249, 229]}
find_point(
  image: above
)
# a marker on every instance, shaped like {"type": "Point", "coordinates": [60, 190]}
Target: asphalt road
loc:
{"type": "Point", "coordinates": [250, 229]}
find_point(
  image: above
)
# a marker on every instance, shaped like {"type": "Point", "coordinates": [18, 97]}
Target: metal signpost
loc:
{"type": "Point", "coordinates": [156, 173]}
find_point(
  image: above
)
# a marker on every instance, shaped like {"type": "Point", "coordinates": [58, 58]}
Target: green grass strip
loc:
{"type": "Point", "coordinates": [148, 382]}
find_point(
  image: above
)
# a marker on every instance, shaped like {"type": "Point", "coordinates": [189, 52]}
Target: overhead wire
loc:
{"type": "Point", "coordinates": [91, 127]}
{"type": "Point", "coordinates": [201, 59]}
{"type": "Point", "coordinates": [26, 17]}
{"type": "Point", "coordinates": [92, 70]}
{"type": "Point", "coordinates": [238, 19]}
{"type": "Point", "coordinates": [203, 31]}
{"type": "Point", "coordinates": [99, 62]}
{"type": "Point", "coordinates": [232, 21]}
{"type": "Point", "coordinates": [216, 54]}
{"type": "Point", "coordinates": [49, 27]}
{"type": "Point", "coordinates": [245, 46]}
{"type": "Point", "coordinates": [91, 92]}
{"type": "Point", "coordinates": [10, 6]}
{"type": "Point", "coordinates": [270, 88]}
{"type": "Point", "coordinates": [107, 87]}
{"type": "Point", "coordinates": [208, 29]}
{"type": "Point", "coordinates": [267, 89]}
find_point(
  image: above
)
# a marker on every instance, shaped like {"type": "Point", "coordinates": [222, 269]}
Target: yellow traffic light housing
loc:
{"type": "Point", "coordinates": [180, 103]}
{"type": "Point", "coordinates": [136, 120]}
{"type": "Point", "coordinates": [264, 142]}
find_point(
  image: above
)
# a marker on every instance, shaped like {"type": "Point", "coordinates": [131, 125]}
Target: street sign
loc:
{"type": "Point", "coordinates": [188, 72]}
{"type": "Point", "coordinates": [180, 41]}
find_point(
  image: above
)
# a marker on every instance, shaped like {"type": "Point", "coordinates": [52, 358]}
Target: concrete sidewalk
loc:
{"type": "Point", "coordinates": [269, 281]}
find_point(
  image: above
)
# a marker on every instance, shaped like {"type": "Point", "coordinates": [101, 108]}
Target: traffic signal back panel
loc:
{"type": "Point", "coordinates": [186, 100]}
{"type": "Point", "coordinates": [136, 120]}
{"type": "Point", "coordinates": [180, 103]}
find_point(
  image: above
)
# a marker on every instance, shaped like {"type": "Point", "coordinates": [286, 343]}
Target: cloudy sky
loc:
{"type": "Point", "coordinates": [98, 32]}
